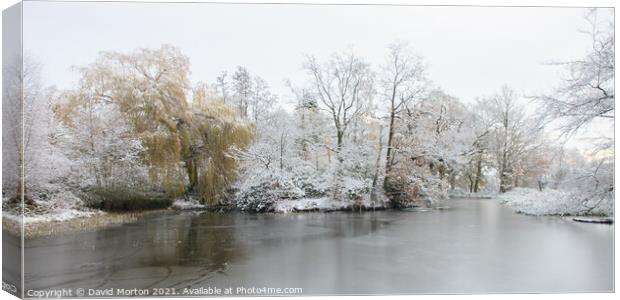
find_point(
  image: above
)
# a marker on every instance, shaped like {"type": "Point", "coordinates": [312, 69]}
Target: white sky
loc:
{"type": "Point", "coordinates": [471, 51]}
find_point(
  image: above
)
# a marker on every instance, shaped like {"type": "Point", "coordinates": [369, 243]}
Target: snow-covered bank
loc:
{"type": "Point", "coordinates": [56, 207]}
{"type": "Point", "coordinates": [182, 204]}
{"type": "Point", "coordinates": [323, 204]}
{"type": "Point", "coordinates": [54, 216]}
{"type": "Point", "coordinates": [555, 202]}
{"type": "Point", "coordinates": [303, 188]}
{"type": "Point", "coordinates": [51, 223]}
{"type": "Point", "coordinates": [461, 193]}
{"type": "Point", "coordinates": [70, 221]}
{"type": "Point", "coordinates": [62, 212]}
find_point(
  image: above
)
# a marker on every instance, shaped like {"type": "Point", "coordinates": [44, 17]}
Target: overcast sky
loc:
{"type": "Point", "coordinates": [471, 51]}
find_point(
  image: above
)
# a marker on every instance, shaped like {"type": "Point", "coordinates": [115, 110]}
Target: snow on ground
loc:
{"type": "Point", "coordinates": [59, 206]}
{"type": "Point", "coordinates": [461, 193]}
{"type": "Point", "coordinates": [304, 204]}
{"type": "Point", "coordinates": [182, 204]}
{"type": "Point", "coordinates": [52, 216]}
{"type": "Point", "coordinates": [322, 204]}
{"type": "Point", "coordinates": [554, 202]}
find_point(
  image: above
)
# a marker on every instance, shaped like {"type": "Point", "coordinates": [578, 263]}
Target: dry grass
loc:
{"type": "Point", "coordinates": [84, 224]}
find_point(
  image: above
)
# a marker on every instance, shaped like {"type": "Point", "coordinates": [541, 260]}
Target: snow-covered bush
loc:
{"type": "Point", "coordinates": [260, 190]}
{"type": "Point", "coordinates": [575, 185]}
{"type": "Point", "coordinates": [416, 190]}
{"type": "Point", "coordinates": [555, 202]}
{"type": "Point", "coordinates": [587, 192]}
{"type": "Point", "coordinates": [49, 203]}
{"type": "Point", "coordinates": [462, 193]}
{"type": "Point", "coordinates": [187, 204]}
{"type": "Point", "coordinates": [307, 178]}
{"type": "Point", "coordinates": [356, 188]}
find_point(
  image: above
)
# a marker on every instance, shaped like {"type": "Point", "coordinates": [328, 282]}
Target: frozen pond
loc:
{"type": "Point", "coordinates": [476, 246]}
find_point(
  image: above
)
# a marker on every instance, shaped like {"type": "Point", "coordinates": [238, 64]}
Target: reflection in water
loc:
{"type": "Point", "coordinates": [210, 242]}
{"type": "Point", "coordinates": [136, 255]}
{"type": "Point", "coordinates": [476, 246]}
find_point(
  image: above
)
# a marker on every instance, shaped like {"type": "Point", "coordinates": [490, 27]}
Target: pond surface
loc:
{"type": "Point", "coordinates": [476, 246]}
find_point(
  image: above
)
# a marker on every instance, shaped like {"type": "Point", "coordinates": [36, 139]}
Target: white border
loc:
{"type": "Point", "coordinates": [560, 3]}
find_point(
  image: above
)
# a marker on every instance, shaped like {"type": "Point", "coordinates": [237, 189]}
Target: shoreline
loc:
{"type": "Point", "coordinates": [101, 219]}
{"type": "Point", "coordinates": [50, 228]}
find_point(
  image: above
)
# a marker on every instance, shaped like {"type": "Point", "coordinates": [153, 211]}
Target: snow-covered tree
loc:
{"type": "Point", "coordinates": [222, 86]}
{"type": "Point", "coordinates": [402, 81]}
{"type": "Point", "coordinates": [514, 135]}
{"type": "Point", "coordinates": [430, 147]}
{"type": "Point", "coordinates": [145, 96]}
{"type": "Point", "coordinates": [242, 90]}
{"type": "Point", "coordinates": [573, 182]}
{"type": "Point", "coordinates": [96, 136]}
{"type": "Point", "coordinates": [478, 154]}
{"type": "Point", "coordinates": [312, 130]}
{"type": "Point", "coordinates": [343, 86]}
{"type": "Point", "coordinates": [150, 88]}
{"type": "Point", "coordinates": [27, 131]}
{"type": "Point", "coordinates": [587, 91]}
{"type": "Point", "coordinates": [251, 94]}
{"type": "Point", "coordinates": [262, 100]}
{"type": "Point", "coordinates": [274, 167]}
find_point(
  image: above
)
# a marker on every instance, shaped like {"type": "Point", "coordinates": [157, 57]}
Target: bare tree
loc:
{"type": "Point", "coordinates": [478, 152]}
{"type": "Point", "coordinates": [587, 93]}
{"type": "Point", "coordinates": [403, 80]}
{"type": "Point", "coordinates": [221, 86]}
{"type": "Point", "coordinates": [242, 90]}
{"type": "Point", "coordinates": [24, 127]}
{"type": "Point", "coordinates": [514, 135]}
{"type": "Point", "coordinates": [261, 101]}
{"type": "Point", "coordinates": [343, 85]}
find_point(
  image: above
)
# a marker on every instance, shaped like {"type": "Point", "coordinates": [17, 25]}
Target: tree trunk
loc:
{"type": "Point", "coordinates": [388, 156]}
{"type": "Point", "coordinates": [192, 173]}
{"type": "Point", "coordinates": [503, 176]}
{"type": "Point", "coordinates": [339, 161]}
{"type": "Point", "coordinates": [375, 178]}
{"type": "Point", "coordinates": [452, 180]}
{"type": "Point", "coordinates": [478, 174]}
{"type": "Point", "coordinates": [21, 190]}
{"type": "Point", "coordinates": [282, 151]}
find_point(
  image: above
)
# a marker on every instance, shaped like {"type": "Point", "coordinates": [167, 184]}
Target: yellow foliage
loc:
{"type": "Point", "coordinates": [182, 142]}
{"type": "Point", "coordinates": [222, 130]}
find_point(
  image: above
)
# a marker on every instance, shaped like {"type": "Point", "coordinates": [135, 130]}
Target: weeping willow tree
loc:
{"type": "Point", "coordinates": [184, 146]}
{"type": "Point", "coordinates": [218, 129]}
